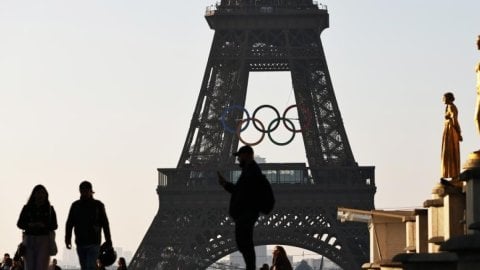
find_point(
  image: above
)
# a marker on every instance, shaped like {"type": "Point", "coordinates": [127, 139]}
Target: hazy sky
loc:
{"type": "Point", "coordinates": [105, 90]}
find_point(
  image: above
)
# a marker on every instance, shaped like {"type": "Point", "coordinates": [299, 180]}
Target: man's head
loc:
{"type": "Point", "coordinates": [86, 191]}
{"type": "Point", "coordinates": [244, 155]}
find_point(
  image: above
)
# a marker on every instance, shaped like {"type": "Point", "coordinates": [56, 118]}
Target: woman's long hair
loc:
{"type": "Point", "coordinates": [122, 263]}
{"type": "Point", "coordinates": [281, 259]}
{"type": "Point", "coordinates": [31, 199]}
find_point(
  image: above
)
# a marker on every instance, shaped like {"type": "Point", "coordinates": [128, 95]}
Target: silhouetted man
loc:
{"type": "Point", "coordinates": [243, 209]}
{"type": "Point", "coordinates": [6, 256]}
{"type": "Point", "coordinates": [88, 217]}
{"type": "Point", "coordinates": [54, 266]}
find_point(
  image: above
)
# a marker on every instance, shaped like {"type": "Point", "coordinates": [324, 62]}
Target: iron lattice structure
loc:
{"type": "Point", "coordinates": [191, 229]}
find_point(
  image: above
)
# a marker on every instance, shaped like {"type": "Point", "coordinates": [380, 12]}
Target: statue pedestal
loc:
{"type": "Point", "coordinates": [467, 247]}
{"type": "Point", "coordinates": [445, 220]}
{"type": "Point", "coordinates": [471, 176]}
{"type": "Point", "coordinates": [435, 219]}
{"type": "Point", "coordinates": [445, 214]}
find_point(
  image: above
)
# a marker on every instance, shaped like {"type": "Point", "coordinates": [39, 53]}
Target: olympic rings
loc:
{"type": "Point", "coordinates": [259, 126]}
{"type": "Point", "coordinates": [263, 129]}
{"type": "Point", "coordinates": [225, 113]}
{"type": "Point", "coordinates": [285, 120]}
{"type": "Point", "coordinates": [239, 125]}
{"type": "Point", "coordinates": [308, 117]}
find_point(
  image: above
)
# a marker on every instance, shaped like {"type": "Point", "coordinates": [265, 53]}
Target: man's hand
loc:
{"type": "Point", "coordinates": [68, 243]}
{"type": "Point", "coordinates": [221, 180]}
{"type": "Point", "coordinates": [109, 243]}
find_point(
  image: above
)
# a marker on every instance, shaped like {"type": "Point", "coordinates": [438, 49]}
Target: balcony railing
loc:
{"type": "Point", "coordinates": [276, 173]}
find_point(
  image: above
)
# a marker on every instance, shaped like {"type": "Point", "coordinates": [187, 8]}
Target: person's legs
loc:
{"type": "Point", "coordinates": [43, 257]}
{"type": "Point", "coordinates": [81, 252]}
{"type": "Point", "coordinates": [30, 252]}
{"type": "Point", "coordinates": [87, 255]}
{"type": "Point", "coordinates": [36, 257]}
{"type": "Point", "coordinates": [92, 256]}
{"type": "Point", "coordinates": [244, 238]}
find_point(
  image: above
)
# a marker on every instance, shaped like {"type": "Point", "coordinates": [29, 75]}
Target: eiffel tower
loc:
{"type": "Point", "coordinates": [192, 229]}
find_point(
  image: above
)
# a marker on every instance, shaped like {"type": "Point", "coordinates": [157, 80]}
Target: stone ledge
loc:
{"type": "Point", "coordinates": [371, 266]}
{"type": "Point", "coordinates": [427, 261]}
{"type": "Point", "coordinates": [433, 203]}
{"type": "Point", "coordinates": [462, 243]}
{"type": "Point", "coordinates": [410, 248]}
{"type": "Point", "coordinates": [475, 226]}
{"type": "Point", "coordinates": [436, 240]}
{"type": "Point", "coordinates": [425, 257]}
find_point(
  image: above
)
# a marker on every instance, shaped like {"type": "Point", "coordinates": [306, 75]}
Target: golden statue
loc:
{"type": "Point", "coordinates": [452, 136]}
{"type": "Point", "coordinates": [477, 107]}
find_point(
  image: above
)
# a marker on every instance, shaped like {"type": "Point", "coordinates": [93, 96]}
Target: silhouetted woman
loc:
{"type": "Point", "coordinates": [452, 136]}
{"type": "Point", "coordinates": [122, 264]}
{"type": "Point", "coordinates": [280, 260]}
{"type": "Point", "coordinates": [36, 220]}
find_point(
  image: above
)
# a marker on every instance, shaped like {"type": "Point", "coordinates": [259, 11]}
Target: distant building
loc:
{"type": "Point", "coordinates": [303, 265]}
{"type": "Point", "coordinates": [260, 159]}
{"type": "Point", "coordinates": [236, 258]}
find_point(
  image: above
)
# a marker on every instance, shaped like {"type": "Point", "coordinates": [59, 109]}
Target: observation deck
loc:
{"type": "Point", "coordinates": [279, 174]}
{"type": "Point", "coordinates": [270, 14]}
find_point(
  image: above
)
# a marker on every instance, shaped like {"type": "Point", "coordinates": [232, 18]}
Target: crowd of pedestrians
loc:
{"type": "Point", "coordinates": [17, 263]}
{"type": "Point", "coordinates": [87, 218]}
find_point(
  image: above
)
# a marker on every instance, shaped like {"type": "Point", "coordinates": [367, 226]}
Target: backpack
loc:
{"type": "Point", "coordinates": [266, 198]}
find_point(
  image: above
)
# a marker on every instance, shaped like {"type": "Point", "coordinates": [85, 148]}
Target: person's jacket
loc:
{"type": "Point", "coordinates": [244, 191]}
{"type": "Point", "coordinates": [44, 214]}
{"type": "Point", "coordinates": [88, 217]}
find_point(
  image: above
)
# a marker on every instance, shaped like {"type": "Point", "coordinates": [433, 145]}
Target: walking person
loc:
{"type": "Point", "coordinates": [37, 220]}
{"type": "Point", "coordinates": [88, 217]}
{"type": "Point", "coordinates": [4, 260]}
{"type": "Point", "coordinates": [280, 260]}
{"type": "Point", "coordinates": [54, 266]}
{"type": "Point", "coordinates": [8, 264]}
{"type": "Point", "coordinates": [243, 208]}
{"type": "Point", "coordinates": [122, 264]}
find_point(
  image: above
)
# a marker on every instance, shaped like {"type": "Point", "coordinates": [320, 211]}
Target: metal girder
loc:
{"type": "Point", "coordinates": [192, 230]}
{"type": "Point", "coordinates": [233, 55]}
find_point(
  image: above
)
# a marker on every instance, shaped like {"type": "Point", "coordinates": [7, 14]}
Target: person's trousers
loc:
{"type": "Point", "coordinates": [36, 254]}
{"type": "Point", "coordinates": [87, 255]}
{"type": "Point", "coordinates": [244, 238]}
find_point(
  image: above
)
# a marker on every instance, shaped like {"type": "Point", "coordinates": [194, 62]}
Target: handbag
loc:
{"type": "Point", "coordinates": [52, 245]}
{"type": "Point", "coordinates": [22, 247]}
{"type": "Point", "coordinates": [21, 250]}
